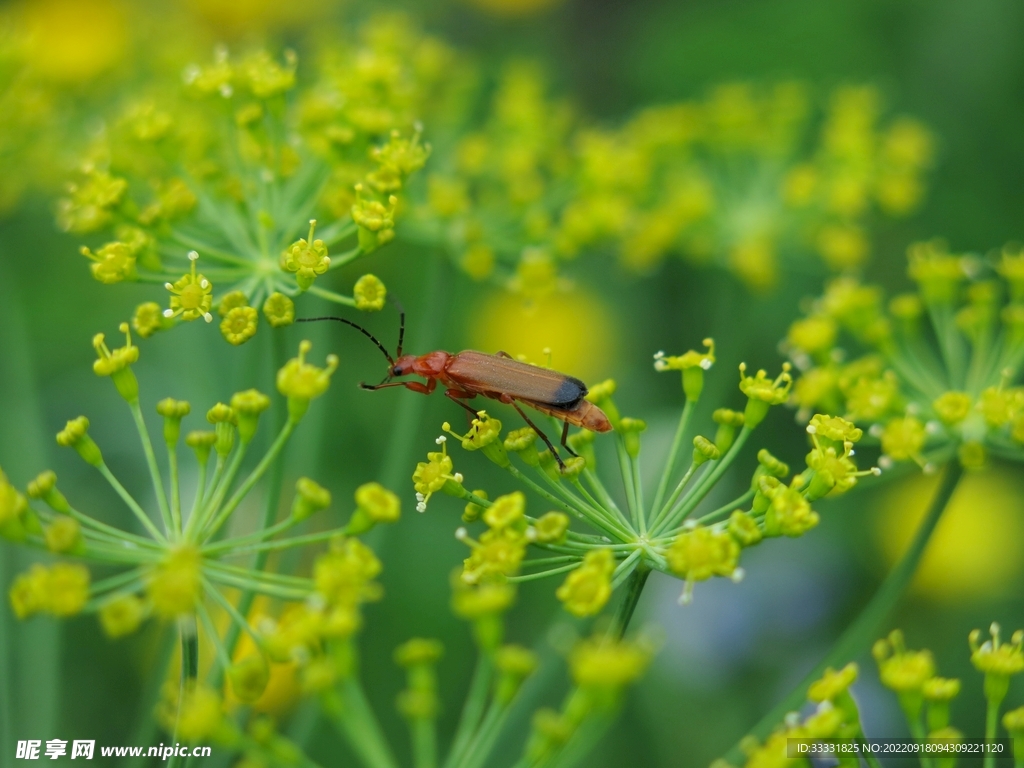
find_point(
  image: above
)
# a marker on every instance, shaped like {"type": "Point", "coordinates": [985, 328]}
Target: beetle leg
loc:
{"type": "Point", "coordinates": [415, 386]}
{"type": "Point", "coordinates": [565, 436]}
{"type": "Point", "coordinates": [554, 452]}
{"type": "Point", "coordinates": [457, 396]}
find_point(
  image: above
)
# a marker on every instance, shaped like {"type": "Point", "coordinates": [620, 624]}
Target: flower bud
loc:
{"type": "Point", "coordinates": [201, 441]}
{"type": "Point", "coordinates": [374, 504]}
{"type": "Point", "coordinates": [173, 412]}
{"type": "Point", "coordinates": [279, 310]}
{"type": "Point", "coordinates": [514, 664]}
{"type": "Point", "coordinates": [551, 528]}
{"type": "Point", "coordinates": [76, 435]}
{"type": "Point", "coordinates": [630, 430]}
{"type": "Point", "coordinates": [117, 364]}
{"type": "Point", "coordinates": [247, 407]}
{"type": "Point", "coordinates": [369, 293]}
{"type": "Point", "coordinates": [704, 450]}
{"type": "Point", "coordinates": [728, 421]}
{"type": "Point", "coordinates": [249, 677]}
{"type": "Point", "coordinates": [301, 382]}
{"type": "Point", "coordinates": [310, 497]}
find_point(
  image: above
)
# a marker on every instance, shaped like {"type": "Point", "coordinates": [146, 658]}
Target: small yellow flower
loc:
{"type": "Point", "coordinates": [239, 325]}
{"type": "Point", "coordinates": [833, 683]}
{"type": "Point", "coordinates": [175, 584]}
{"type": "Point", "coordinates": [279, 310]}
{"type": "Point", "coordinates": [249, 677]}
{"type": "Point", "coordinates": [64, 534]}
{"type": "Point", "coordinates": [551, 528]}
{"type": "Point", "coordinates": [148, 319]}
{"type": "Point", "coordinates": [789, 513]}
{"type": "Point", "coordinates": [497, 554]}
{"type": "Point", "coordinates": [301, 382]}
{"type": "Point", "coordinates": [113, 263]}
{"type": "Point", "coordinates": [601, 663]}
{"type": "Point", "coordinates": [587, 589]}
{"type": "Point", "coordinates": [506, 511]}
{"type": "Point", "coordinates": [307, 258]}
{"type": "Point", "coordinates": [369, 293]}
{"type": "Point", "coordinates": [191, 295]}
{"type": "Point", "coordinates": [763, 392]}
{"type": "Point", "coordinates": [899, 669]}
{"type": "Point", "coordinates": [995, 658]}
{"type": "Point", "coordinates": [310, 498]}
{"type": "Point", "coordinates": [122, 616]}
{"type": "Point", "coordinates": [903, 438]}
{"type": "Point", "coordinates": [12, 503]}
{"type": "Point", "coordinates": [700, 553]}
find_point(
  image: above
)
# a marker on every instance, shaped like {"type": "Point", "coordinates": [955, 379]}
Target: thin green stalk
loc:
{"type": "Point", "coordinates": [991, 723]}
{"type": "Point", "coordinates": [541, 574]}
{"type": "Point", "coordinates": [222, 661]}
{"type": "Point", "coordinates": [271, 546]}
{"type": "Point", "coordinates": [490, 729]}
{"type": "Point", "coordinates": [638, 492]}
{"type": "Point", "coordinates": [274, 590]}
{"type": "Point", "coordinates": [673, 455]}
{"type": "Point", "coordinates": [220, 490]}
{"type": "Point", "coordinates": [115, 534]}
{"type": "Point", "coordinates": [278, 579]}
{"type": "Point", "coordinates": [200, 490]}
{"type": "Point", "coordinates": [424, 742]}
{"type": "Point", "coordinates": [635, 512]}
{"type": "Point", "coordinates": [234, 544]}
{"type": "Point", "coordinates": [337, 298]}
{"type": "Point", "coordinates": [133, 505]}
{"type": "Point", "coordinates": [218, 473]}
{"type": "Point", "coordinates": [707, 482]}
{"type": "Point", "coordinates": [146, 726]}
{"type": "Point", "coordinates": [624, 614]}
{"type": "Point", "coordinates": [860, 633]}
{"type": "Point", "coordinates": [154, 469]}
{"type": "Point", "coordinates": [613, 513]}
{"type": "Point", "coordinates": [680, 486]}
{"type": "Point", "coordinates": [598, 487]}
{"type": "Point", "coordinates": [250, 481]}
{"type": "Point", "coordinates": [598, 523]}
{"type": "Point", "coordinates": [360, 727]}
{"type": "Point", "coordinates": [561, 560]}
{"type": "Point", "coordinates": [472, 710]}
{"type": "Point", "coordinates": [189, 672]}
{"type": "Point", "coordinates": [172, 462]}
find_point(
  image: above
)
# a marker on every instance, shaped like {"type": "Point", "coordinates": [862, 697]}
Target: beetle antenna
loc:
{"type": "Point", "coordinates": [359, 328]}
{"type": "Point", "coordinates": [401, 325]}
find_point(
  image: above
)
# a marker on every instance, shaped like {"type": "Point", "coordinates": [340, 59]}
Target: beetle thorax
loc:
{"type": "Point", "coordinates": [430, 365]}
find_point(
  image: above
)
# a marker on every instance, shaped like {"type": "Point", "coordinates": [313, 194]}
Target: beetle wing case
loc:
{"type": "Point", "coordinates": [531, 383]}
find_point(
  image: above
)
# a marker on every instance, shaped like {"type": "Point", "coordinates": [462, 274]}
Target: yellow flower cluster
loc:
{"type": "Point", "coordinates": [744, 178]}
{"type": "Point", "coordinates": [941, 368]}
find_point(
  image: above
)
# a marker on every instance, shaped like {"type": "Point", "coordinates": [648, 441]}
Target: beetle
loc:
{"type": "Point", "coordinates": [467, 374]}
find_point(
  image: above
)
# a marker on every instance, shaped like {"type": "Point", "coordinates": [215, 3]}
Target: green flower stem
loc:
{"type": "Point", "coordinates": [337, 298]}
{"type": "Point", "coordinates": [623, 568]}
{"type": "Point", "coordinates": [423, 731]}
{"type": "Point", "coordinates": [869, 758]}
{"type": "Point", "coordinates": [112, 582]}
{"type": "Point", "coordinates": [635, 511]}
{"type": "Point", "coordinates": [209, 251]}
{"type": "Point", "coordinates": [673, 454]}
{"type": "Point", "coordinates": [573, 548]}
{"type": "Point", "coordinates": [613, 513]}
{"type": "Point", "coordinates": [251, 480]}
{"type": "Point", "coordinates": [472, 710]}
{"type": "Point", "coordinates": [172, 462]}
{"type": "Point", "coordinates": [581, 743]}
{"type": "Point", "coordinates": [96, 603]}
{"type": "Point", "coordinates": [724, 510]}
{"type": "Point", "coordinates": [541, 574]}
{"type": "Point", "coordinates": [991, 723]}
{"type": "Point", "coordinates": [146, 726]}
{"type": "Point", "coordinates": [226, 481]}
{"type": "Point", "coordinates": [154, 469]}
{"type": "Point", "coordinates": [110, 532]}
{"type": "Point", "coordinates": [218, 473]}
{"type": "Point", "coordinates": [860, 633]}
{"type": "Point", "coordinates": [356, 722]}
{"type": "Point", "coordinates": [598, 487]}
{"type": "Point", "coordinates": [490, 729]}
{"type": "Point", "coordinates": [277, 579]}
{"type": "Point", "coordinates": [553, 560]}
{"type": "Point", "coordinates": [707, 481]}
{"type": "Point", "coordinates": [237, 619]}
{"type": "Point", "coordinates": [189, 670]}
{"type": "Point", "coordinates": [294, 541]}
{"type": "Point", "coordinates": [221, 660]}
{"type": "Point", "coordinates": [638, 492]}
{"type": "Point", "coordinates": [637, 581]}
{"type": "Point", "coordinates": [599, 522]}
{"type": "Point", "coordinates": [950, 344]}
{"type": "Point", "coordinates": [575, 501]}
{"type": "Point", "coordinates": [133, 505]}
{"type": "Point", "coordinates": [255, 538]}
{"type": "Point", "coordinates": [345, 258]}
{"type": "Point", "coordinates": [664, 510]}
{"type": "Point", "coordinates": [285, 593]}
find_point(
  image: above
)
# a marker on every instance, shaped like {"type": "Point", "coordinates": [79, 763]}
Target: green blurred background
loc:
{"type": "Point", "coordinates": [737, 649]}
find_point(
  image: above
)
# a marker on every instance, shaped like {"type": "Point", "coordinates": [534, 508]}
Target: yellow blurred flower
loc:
{"type": "Point", "coordinates": [73, 41]}
{"type": "Point", "coordinates": [977, 549]}
{"type": "Point", "coordinates": [577, 328]}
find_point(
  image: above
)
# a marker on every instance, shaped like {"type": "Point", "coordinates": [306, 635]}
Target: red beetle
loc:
{"type": "Point", "coordinates": [499, 377]}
